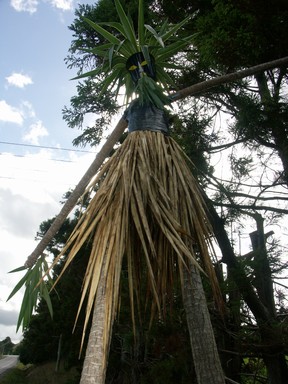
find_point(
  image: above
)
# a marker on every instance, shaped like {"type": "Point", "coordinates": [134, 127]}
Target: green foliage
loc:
{"type": "Point", "coordinates": [241, 166]}
{"type": "Point", "coordinates": [41, 336]}
{"type": "Point", "coordinates": [87, 101]}
{"type": "Point", "coordinates": [42, 374]}
{"type": "Point", "coordinates": [36, 286]}
{"type": "Point", "coordinates": [14, 376]}
{"type": "Point", "coordinates": [191, 130]}
{"type": "Point", "coordinates": [254, 371]}
{"type": "Point", "coordinates": [6, 347]}
{"type": "Point", "coordinates": [117, 50]}
{"type": "Point", "coordinates": [242, 33]}
{"type": "Point", "coordinates": [250, 117]}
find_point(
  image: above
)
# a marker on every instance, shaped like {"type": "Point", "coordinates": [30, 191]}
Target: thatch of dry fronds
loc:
{"type": "Point", "coordinates": [148, 208]}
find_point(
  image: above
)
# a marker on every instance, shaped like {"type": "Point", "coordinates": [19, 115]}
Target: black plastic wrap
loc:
{"type": "Point", "coordinates": [146, 118]}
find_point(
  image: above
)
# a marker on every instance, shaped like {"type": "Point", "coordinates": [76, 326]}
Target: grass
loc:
{"type": "Point", "coordinates": [15, 376]}
{"type": "Point", "coordinates": [42, 374]}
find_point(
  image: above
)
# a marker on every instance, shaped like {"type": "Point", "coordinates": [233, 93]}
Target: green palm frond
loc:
{"type": "Point", "coordinates": [162, 44]}
{"type": "Point", "coordinates": [141, 30]}
{"type": "Point", "coordinates": [127, 26]}
{"type": "Point", "coordinates": [158, 38]}
{"type": "Point", "coordinates": [107, 35]}
{"type": "Point", "coordinates": [35, 287]}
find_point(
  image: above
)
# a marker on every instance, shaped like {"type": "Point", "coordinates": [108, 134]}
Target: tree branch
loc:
{"type": "Point", "coordinates": [228, 78]}
{"type": "Point", "coordinates": [252, 207]}
{"type": "Point", "coordinates": [225, 146]}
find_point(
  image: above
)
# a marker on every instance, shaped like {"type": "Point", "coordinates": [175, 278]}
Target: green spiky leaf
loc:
{"type": "Point", "coordinates": [155, 34]}
{"type": "Point", "coordinates": [160, 44]}
{"type": "Point", "coordinates": [141, 30]}
{"type": "Point", "coordinates": [107, 35]}
{"type": "Point", "coordinates": [128, 27]}
{"type": "Point", "coordinates": [172, 31]}
{"type": "Point", "coordinates": [34, 288]}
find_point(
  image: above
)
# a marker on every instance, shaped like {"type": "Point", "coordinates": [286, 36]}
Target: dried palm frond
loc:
{"type": "Point", "coordinates": [148, 208]}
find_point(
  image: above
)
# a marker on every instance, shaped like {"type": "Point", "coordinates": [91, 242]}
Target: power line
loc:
{"type": "Point", "coordinates": [45, 147]}
{"type": "Point", "coordinates": [28, 156]}
{"type": "Point", "coordinates": [32, 180]}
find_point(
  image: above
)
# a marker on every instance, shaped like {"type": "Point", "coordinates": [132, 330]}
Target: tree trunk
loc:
{"type": "Point", "coordinates": [94, 367]}
{"type": "Point", "coordinates": [274, 118]}
{"type": "Point", "coordinates": [271, 331]}
{"type": "Point", "coordinates": [263, 276]}
{"type": "Point", "coordinates": [204, 351]}
{"type": "Point", "coordinates": [273, 355]}
{"type": "Point", "coordinates": [228, 344]}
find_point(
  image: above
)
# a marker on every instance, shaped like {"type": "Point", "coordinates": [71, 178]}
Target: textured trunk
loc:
{"type": "Point", "coordinates": [205, 355]}
{"type": "Point", "coordinates": [273, 348]}
{"type": "Point", "coordinates": [277, 368]}
{"type": "Point", "coordinates": [273, 354]}
{"type": "Point", "coordinates": [263, 281]}
{"type": "Point", "coordinates": [94, 370]}
{"type": "Point", "coordinates": [274, 121]}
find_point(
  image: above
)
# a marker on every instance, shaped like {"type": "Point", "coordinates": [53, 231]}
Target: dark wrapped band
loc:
{"type": "Point", "coordinates": [146, 117]}
{"type": "Point", "coordinates": [148, 67]}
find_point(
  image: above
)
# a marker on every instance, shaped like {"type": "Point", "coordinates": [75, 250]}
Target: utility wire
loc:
{"type": "Point", "coordinates": [45, 147]}
{"type": "Point", "coordinates": [27, 156]}
{"type": "Point", "coordinates": [32, 180]}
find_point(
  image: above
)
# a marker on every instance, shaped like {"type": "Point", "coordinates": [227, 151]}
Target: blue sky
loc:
{"type": "Point", "coordinates": [34, 80]}
{"type": "Point", "coordinates": [34, 87]}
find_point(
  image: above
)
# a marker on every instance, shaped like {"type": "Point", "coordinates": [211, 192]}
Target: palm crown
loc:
{"type": "Point", "coordinates": [146, 51]}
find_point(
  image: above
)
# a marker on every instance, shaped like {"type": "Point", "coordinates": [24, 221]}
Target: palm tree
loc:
{"type": "Point", "coordinates": [148, 205]}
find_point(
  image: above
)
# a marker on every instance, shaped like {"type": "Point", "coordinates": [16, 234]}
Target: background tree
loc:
{"type": "Point", "coordinates": [6, 347]}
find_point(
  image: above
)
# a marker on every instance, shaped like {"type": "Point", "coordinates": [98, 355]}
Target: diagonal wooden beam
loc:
{"type": "Point", "coordinates": [77, 193]}
{"type": "Point", "coordinates": [115, 135]}
{"type": "Point", "coordinates": [229, 78]}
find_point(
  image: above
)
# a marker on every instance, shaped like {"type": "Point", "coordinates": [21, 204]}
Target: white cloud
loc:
{"type": "Point", "coordinates": [32, 5]}
{"type": "Point", "coordinates": [24, 5]}
{"type": "Point", "coordinates": [27, 109]}
{"type": "Point", "coordinates": [20, 217]}
{"type": "Point", "coordinates": [8, 317]}
{"type": "Point", "coordinates": [37, 130]}
{"type": "Point", "coordinates": [30, 191]}
{"type": "Point", "coordinates": [10, 331]}
{"type": "Point", "coordinates": [19, 80]}
{"type": "Point", "coordinates": [65, 5]}
{"type": "Point", "coordinates": [10, 114]}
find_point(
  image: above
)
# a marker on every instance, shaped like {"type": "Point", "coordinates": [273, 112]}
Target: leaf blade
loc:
{"type": "Point", "coordinates": [107, 35]}
{"type": "Point", "coordinates": [128, 27]}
